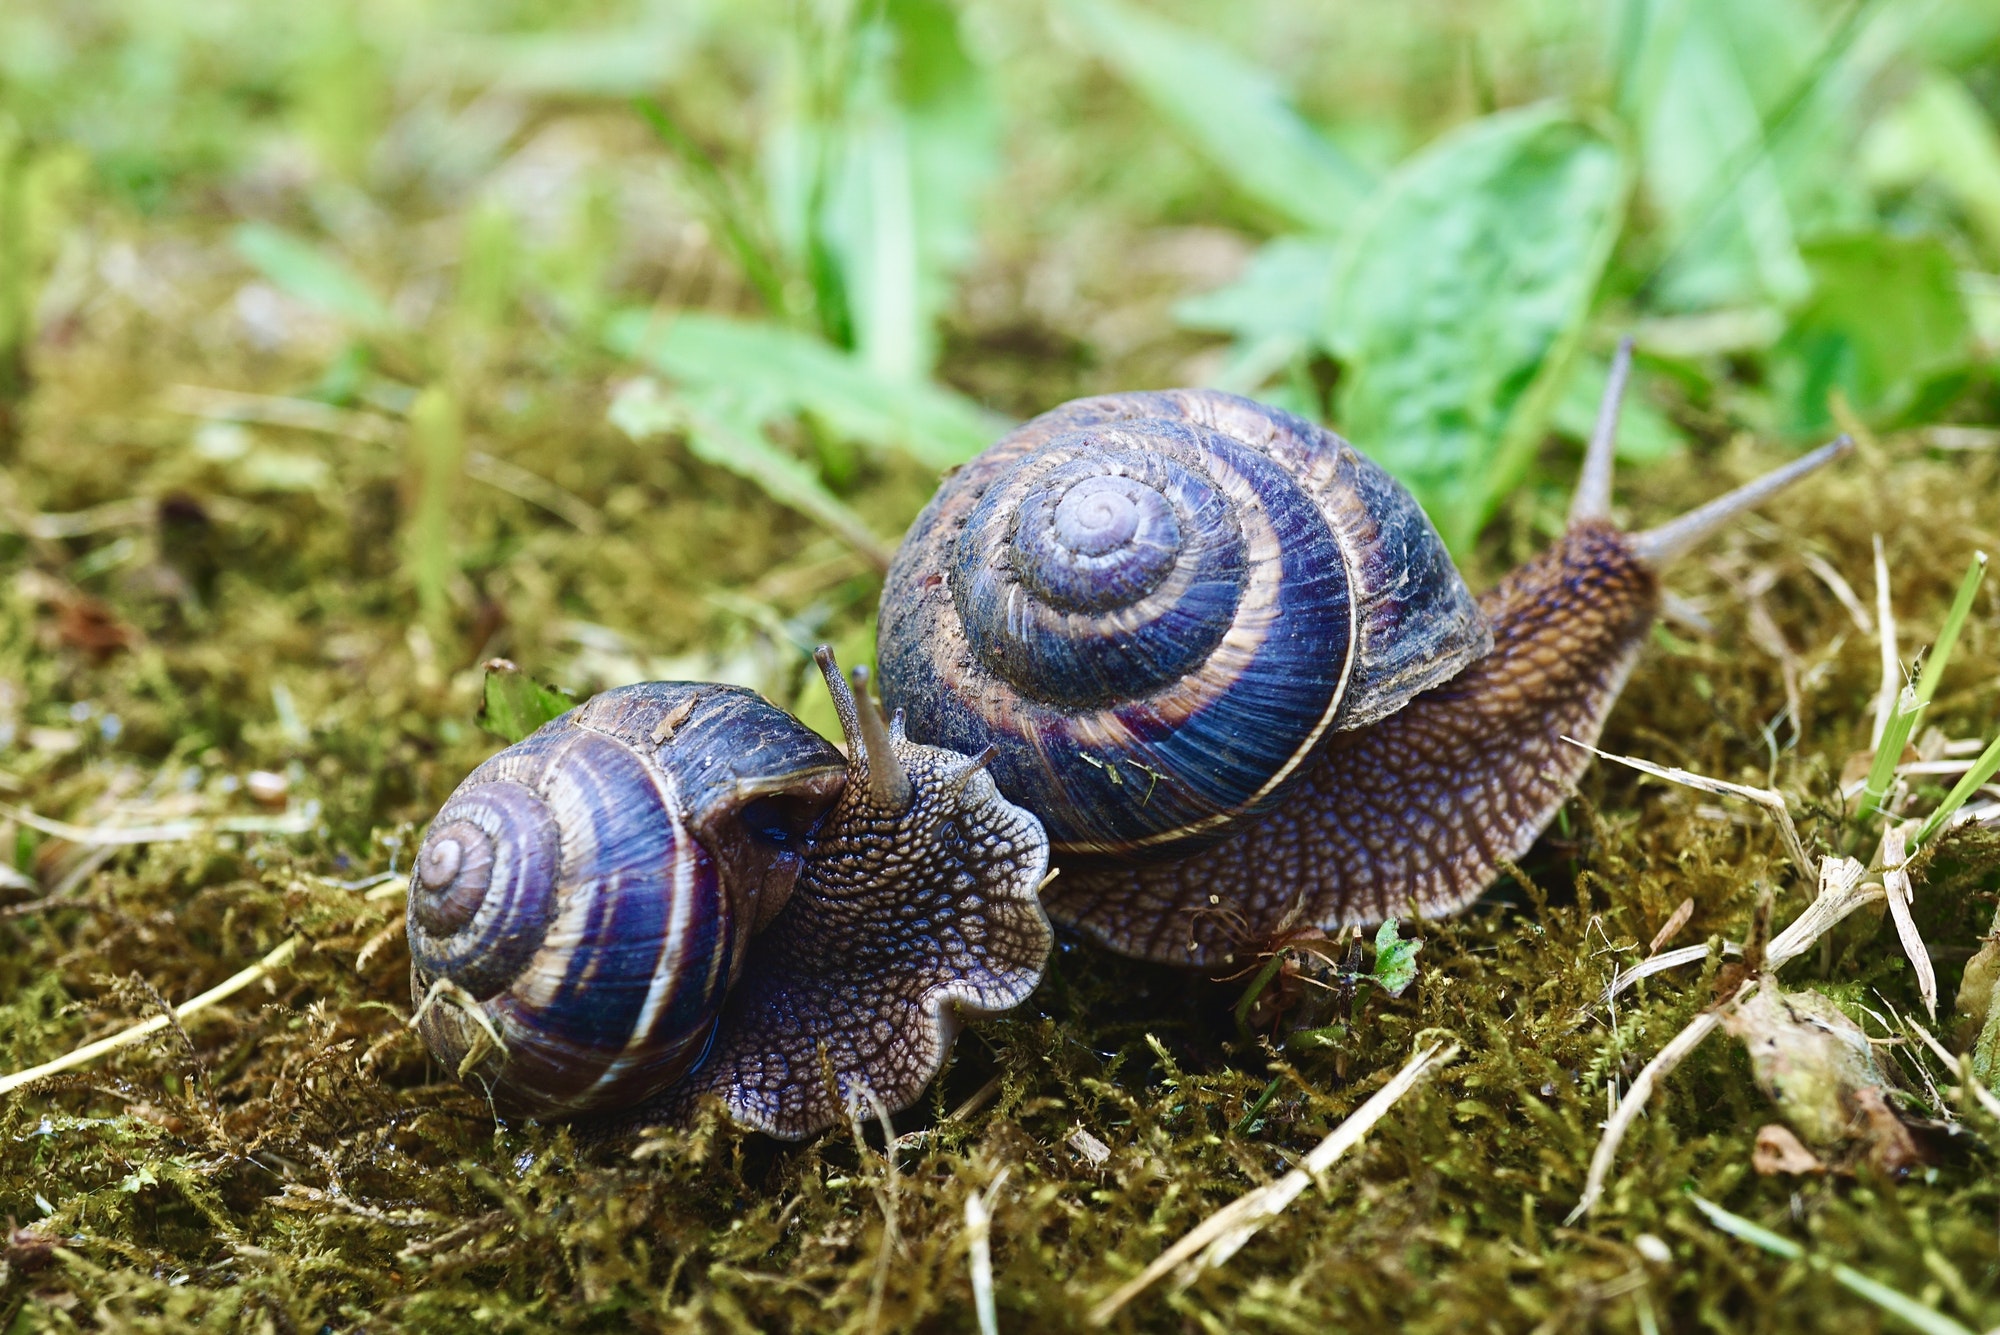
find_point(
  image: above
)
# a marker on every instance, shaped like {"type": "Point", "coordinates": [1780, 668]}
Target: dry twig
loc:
{"type": "Point", "coordinates": [1840, 893]}
{"type": "Point", "coordinates": [1217, 1238]}
{"type": "Point", "coordinates": [125, 1038]}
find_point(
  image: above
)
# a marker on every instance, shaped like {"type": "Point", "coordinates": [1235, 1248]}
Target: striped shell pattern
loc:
{"type": "Point", "coordinates": [1156, 607]}
{"type": "Point", "coordinates": [583, 901]}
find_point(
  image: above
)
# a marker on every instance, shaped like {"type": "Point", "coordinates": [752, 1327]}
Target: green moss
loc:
{"type": "Point", "coordinates": [294, 1161]}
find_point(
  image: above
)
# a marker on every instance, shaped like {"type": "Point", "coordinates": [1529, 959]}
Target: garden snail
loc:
{"type": "Point", "coordinates": [1226, 661]}
{"type": "Point", "coordinates": [677, 889]}
{"type": "Point", "coordinates": [1220, 655]}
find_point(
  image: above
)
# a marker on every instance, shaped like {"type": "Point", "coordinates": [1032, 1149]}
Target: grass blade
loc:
{"type": "Point", "coordinates": [1921, 1316]}
{"type": "Point", "coordinates": [1954, 621]}
{"type": "Point", "coordinates": [1232, 111]}
{"type": "Point", "coordinates": [1982, 770]}
{"type": "Point", "coordinates": [725, 208]}
{"type": "Point", "coordinates": [304, 271]}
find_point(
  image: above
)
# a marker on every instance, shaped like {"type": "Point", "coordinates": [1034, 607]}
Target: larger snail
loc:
{"type": "Point", "coordinates": [1220, 655]}
{"type": "Point", "coordinates": [1227, 662]}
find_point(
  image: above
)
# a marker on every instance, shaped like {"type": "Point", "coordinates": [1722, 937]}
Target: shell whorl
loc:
{"type": "Point", "coordinates": [1156, 606]}
{"type": "Point", "coordinates": [585, 896]}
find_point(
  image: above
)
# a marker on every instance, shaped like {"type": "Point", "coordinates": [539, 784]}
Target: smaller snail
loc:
{"type": "Point", "coordinates": [676, 890]}
{"type": "Point", "coordinates": [1227, 661]}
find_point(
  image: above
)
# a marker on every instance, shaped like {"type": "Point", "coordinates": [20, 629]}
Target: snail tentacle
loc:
{"type": "Point", "coordinates": [1592, 498]}
{"type": "Point", "coordinates": [870, 751]}
{"type": "Point", "coordinates": [908, 919]}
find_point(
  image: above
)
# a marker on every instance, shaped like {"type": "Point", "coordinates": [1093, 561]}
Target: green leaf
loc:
{"type": "Point", "coordinates": [1460, 296]}
{"type": "Point", "coordinates": [1233, 112]}
{"type": "Point", "coordinates": [919, 142]}
{"type": "Point", "coordinates": [517, 704]}
{"type": "Point", "coordinates": [786, 372]}
{"type": "Point", "coordinates": [1940, 134]}
{"type": "Point", "coordinates": [1284, 290]}
{"type": "Point", "coordinates": [302, 270]}
{"type": "Point", "coordinates": [1745, 123]}
{"type": "Point", "coordinates": [1886, 326]}
{"type": "Point", "coordinates": [725, 427]}
{"type": "Point", "coordinates": [1395, 960]}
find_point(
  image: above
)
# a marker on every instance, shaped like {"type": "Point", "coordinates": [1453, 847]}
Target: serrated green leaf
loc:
{"type": "Point", "coordinates": [1284, 290]}
{"type": "Point", "coordinates": [1395, 960]}
{"type": "Point", "coordinates": [1233, 112]}
{"type": "Point", "coordinates": [786, 372]}
{"type": "Point", "coordinates": [1886, 326]}
{"type": "Point", "coordinates": [302, 270]}
{"type": "Point", "coordinates": [516, 704]}
{"type": "Point", "coordinates": [1460, 298]}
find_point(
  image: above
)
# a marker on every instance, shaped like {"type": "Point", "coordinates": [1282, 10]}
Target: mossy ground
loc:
{"type": "Point", "coordinates": [292, 1161]}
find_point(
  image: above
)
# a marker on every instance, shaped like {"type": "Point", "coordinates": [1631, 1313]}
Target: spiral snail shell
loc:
{"type": "Point", "coordinates": [1156, 606]}
{"type": "Point", "coordinates": [677, 890]}
{"type": "Point", "coordinates": [1228, 662]}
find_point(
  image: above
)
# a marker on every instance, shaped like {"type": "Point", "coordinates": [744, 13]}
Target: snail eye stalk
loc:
{"type": "Point", "coordinates": [869, 748]}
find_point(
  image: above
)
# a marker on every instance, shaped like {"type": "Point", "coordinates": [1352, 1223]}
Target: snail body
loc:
{"type": "Point", "coordinates": [677, 890]}
{"type": "Point", "coordinates": [1204, 652]}
{"type": "Point", "coordinates": [1391, 768]}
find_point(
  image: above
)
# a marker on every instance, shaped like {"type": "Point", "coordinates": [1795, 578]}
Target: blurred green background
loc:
{"type": "Point", "coordinates": [833, 246]}
{"type": "Point", "coordinates": [818, 230]}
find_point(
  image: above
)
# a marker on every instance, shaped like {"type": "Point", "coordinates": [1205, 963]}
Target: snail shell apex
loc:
{"type": "Point", "coordinates": [1157, 607]}
{"type": "Point", "coordinates": [586, 895]}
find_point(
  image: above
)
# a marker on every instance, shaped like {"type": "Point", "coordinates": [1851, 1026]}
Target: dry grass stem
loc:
{"type": "Point", "coordinates": [125, 1038]}
{"type": "Point", "coordinates": [105, 836]}
{"type": "Point", "coordinates": [1840, 893]}
{"type": "Point", "coordinates": [229, 405]}
{"type": "Point", "coordinates": [1892, 669]}
{"type": "Point", "coordinates": [1961, 1066]}
{"type": "Point", "coordinates": [979, 1253]}
{"type": "Point", "coordinates": [1842, 591]}
{"type": "Point", "coordinates": [1217, 1238]}
{"type": "Point", "coordinates": [1770, 799]}
{"type": "Point", "coordinates": [1896, 885]}
{"type": "Point", "coordinates": [1636, 1098]}
{"type": "Point", "coordinates": [1660, 963]}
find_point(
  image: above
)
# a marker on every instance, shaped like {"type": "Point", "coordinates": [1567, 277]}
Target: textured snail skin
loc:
{"type": "Point", "coordinates": [1157, 607]}
{"type": "Point", "coordinates": [1419, 811]}
{"type": "Point", "coordinates": [903, 923]}
{"type": "Point", "coordinates": [678, 891]}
